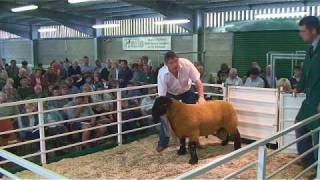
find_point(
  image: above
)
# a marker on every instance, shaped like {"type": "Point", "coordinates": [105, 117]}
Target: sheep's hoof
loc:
{"type": "Point", "coordinates": [182, 151]}
{"type": "Point", "coordinates": [193, 161]}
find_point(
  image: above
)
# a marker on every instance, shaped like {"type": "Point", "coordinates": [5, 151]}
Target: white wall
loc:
{"type": "Point", "coordinates": [112, 49]}
{"type": "Point", "coordinates": [18, 49]}
{"type": "Point", "coordinates": [59, 49]}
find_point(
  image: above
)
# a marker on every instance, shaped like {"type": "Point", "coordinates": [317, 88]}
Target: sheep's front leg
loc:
{"type": "Point", "coordinates": [182, 150]}
{"type": "Point", "coordinates": [193, 153]}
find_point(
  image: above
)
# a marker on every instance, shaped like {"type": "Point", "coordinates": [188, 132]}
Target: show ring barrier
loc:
{"type": "Point", "coordinates": [121, 96]}
{"type": "Point", "coordinates": [27, 165]}
{"type": "Point", "coordinates": [262, 156]}
{"type": "Point", "coordinates": [248, 102]}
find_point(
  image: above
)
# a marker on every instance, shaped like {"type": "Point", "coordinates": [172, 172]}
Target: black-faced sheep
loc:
{"type": "Point", "coordinates": [194, 120]}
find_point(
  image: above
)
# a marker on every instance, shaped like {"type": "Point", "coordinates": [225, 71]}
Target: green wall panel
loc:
{"type": "Point", "coordinates": [249, 46]}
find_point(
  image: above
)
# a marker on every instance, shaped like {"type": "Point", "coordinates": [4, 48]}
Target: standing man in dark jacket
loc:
{"type": "Point", "coordinates": [310, 84]}
{"type": "Point", "coordinates": [125, 74]}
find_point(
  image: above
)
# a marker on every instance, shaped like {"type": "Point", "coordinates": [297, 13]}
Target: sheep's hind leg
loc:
{"type": "Point", "coordinates": [237, 140]}
{"type": "Point", "coordinates": [182, 150]}
{"type": "Point", "coordinates": [225, 141]}
{"type": "Point", "coordinates": [193, 153]}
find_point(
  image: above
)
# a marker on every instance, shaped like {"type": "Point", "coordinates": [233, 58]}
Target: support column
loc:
{"type": "Point", "coordinates": [34, 45]}
{"type": "Point", "coordinates": [199, 34]}
{"type": "Point", "coordinates": [97, 40]}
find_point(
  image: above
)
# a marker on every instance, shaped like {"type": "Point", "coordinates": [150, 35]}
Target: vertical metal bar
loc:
{"type": "Point", "coordinates": [41, 132]}
{"type": "Point", "coordinates": [318, 167]}
{"type": "Point", "coordinates": [119, 117]}
{"type": "Point", "coordinates": [261, 162]}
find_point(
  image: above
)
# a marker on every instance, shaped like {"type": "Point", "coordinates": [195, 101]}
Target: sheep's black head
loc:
{"type": "Point", "coordinates": [160, 106]}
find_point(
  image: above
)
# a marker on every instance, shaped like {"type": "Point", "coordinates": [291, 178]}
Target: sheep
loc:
{"type": "Point", "coordinates": [194, 120]}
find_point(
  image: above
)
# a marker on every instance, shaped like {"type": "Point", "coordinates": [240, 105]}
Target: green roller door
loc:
{"type": "Point", "coordinates": [249, 46]}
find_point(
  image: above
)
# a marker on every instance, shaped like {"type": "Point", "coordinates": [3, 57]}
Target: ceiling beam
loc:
{"type": "Point", "coordinates": [20, 30]}
{"type": "Point", "coordinates": [77, 22]}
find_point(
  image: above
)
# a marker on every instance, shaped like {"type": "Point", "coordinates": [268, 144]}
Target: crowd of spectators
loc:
{"type": "Point", "coordinates": [65, 78]}
{"type": "Point", "coordinates": [256, 77]}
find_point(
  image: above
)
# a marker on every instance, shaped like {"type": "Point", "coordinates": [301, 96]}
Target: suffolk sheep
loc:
{"type": "Point", "coordinates": [194, 120]}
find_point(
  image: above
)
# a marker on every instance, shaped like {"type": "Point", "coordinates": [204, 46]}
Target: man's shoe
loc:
{"type": "Point", "coordinates": [160, 149]}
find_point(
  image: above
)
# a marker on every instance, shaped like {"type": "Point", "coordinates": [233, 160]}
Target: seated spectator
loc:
{"type": "Point", "coordinates": [10, 91]}
{"type": "Point", "coordinates": [267, 77]}
{"type": "Point", "coordinates": [51, 130]}
{"type": "Point", "coordinates": [233, 79]}
{"type": "Point", "coordinates": [296, 77]}
{"type": "Point", "coordinates": [87, 68]}
{"type": "Point", "coordinates": [72, 88]}
{"type": "Point", "coordinates": [114, 74]}
{"type": "Point", "coordinates": [79, 112]}
{"type": "Point", "coordinates": [125, 74]}
{"type": "Point", "coordinates": [7, 110]}
{"type": "Point", "coordinates": [103, 119]}
{"type": "Point", "coordinates": [38, 92]}
{"type": "Point", "coordinates": [3, 76]}
{"type": "Point", "coordinates": [223, 73]}
{"type": "Point", "coordinates": [146, 110]}
{"type": "Point", "coordinates": [89, 81]}
{"type": "Point", "coordinates": [104, 75]}
{"type": "Point", "coordinates": [37, 79]}
{"type": "Point", "coordinates": [254, 80]}
{"type": "Point", "coordinates": [28, 121]}
{"type": "Point", "coordinates": [127, 115]}
{"type": "Point", "coordinates": [74, 71]}
{"type": "Point", "coordinates": [63, 73]}
{"type": "Point", "coordinates": [254, 64]}
{"type": "Point", "coordinates": [64, 89]}
{"type": "Point", "coordinates": [59, 103]}
{"type": "Point", "coordinates": [144, 61]}
{"type": "Point", "coordinates": [51, 77]}
{"type": "Point", "coordinates": [25, 90]}
{"type": "Point", "coordinates": [13, 72]}
{"type": "Point", "coordinates": [40, 66]}
{"type": "Point", "coordinates": [26, 68]}
{"type": "Point", "coordinates": [284, 85]}
{"type": "Point", "coordinates": [99, 66]}
{"type": "Point", "coordinates": [103, 97]}
{"type": "Point", "coordinates": [7, 124]}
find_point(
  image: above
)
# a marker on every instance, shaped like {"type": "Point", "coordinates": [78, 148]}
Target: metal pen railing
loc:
{"type": "Point", "coordinates": [118, 109]}
{"type": "Point", "coordinates": [27, 165]}
{"type": "Point", "coordinates": [262, 155]}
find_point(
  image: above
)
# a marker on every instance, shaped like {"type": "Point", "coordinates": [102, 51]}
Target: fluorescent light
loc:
{"type": "Point", "coordinates": [78, 1]}
{"type": "Point", "coordinates": [24, 8]}
{"type": "Point", "coordinates": [176, 21]}
{"type": "Point", "coordinates": [47, 29]}
{"type": "Point", "coordinates": [281, 15]}
{"type": "Point", "coordinates": [99, 26]}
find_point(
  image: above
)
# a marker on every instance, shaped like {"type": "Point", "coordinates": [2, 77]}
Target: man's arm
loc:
{"type": "Point", "coordinates": [199, 88]}
{"type": "Point", "coordinates": [162, 86]}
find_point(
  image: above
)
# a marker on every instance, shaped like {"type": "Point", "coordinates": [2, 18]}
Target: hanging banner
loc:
{"type": "Point", "coordinates": [160, 43]}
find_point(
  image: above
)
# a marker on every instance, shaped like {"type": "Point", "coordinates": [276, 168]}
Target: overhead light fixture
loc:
{"type": "Point", "coordinates": [281, 15]}
{"type": "Point", "coordinates": [47, 29]}
{"type": "Point", "coordinates": [99, 26]}
{"type": "Point", "coordinates": [79, 1]}
{"type": "Point", "coordinates": [176, 21]}
{"type": "Point", "coordinates": [24, 8]}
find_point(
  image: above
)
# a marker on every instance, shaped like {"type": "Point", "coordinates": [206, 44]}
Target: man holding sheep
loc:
{"type": "Point", "coordinates": [175, 80]}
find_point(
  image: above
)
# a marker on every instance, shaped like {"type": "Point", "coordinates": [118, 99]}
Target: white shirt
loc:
{"type": "Point", "coordinates": [168, 83]}
{"type": "Point", "coordinates": [258, 82]}
{"type": "Point", "coordinates": [233, 82]}
{"type": "Point", "coordinates": [315, 43]}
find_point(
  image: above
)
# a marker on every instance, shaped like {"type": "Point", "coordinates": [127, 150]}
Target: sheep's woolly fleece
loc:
{"type": "Point", "coordinates": [139, 160]}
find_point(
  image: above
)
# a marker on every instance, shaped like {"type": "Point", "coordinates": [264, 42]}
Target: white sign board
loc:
{"type": "Point", "coordinates": [160, 43]}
